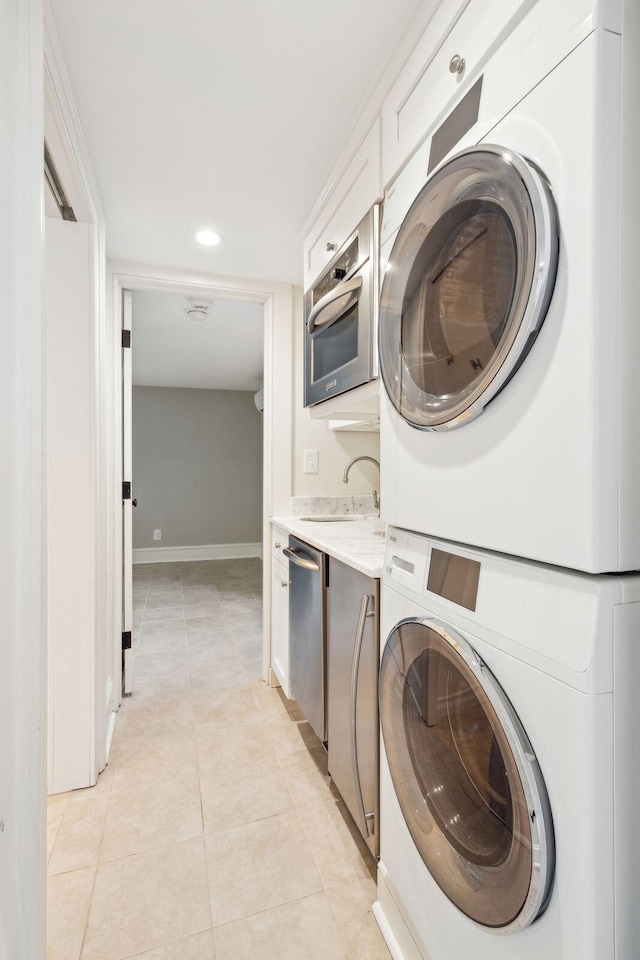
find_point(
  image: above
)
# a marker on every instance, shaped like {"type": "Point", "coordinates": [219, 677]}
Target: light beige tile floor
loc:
{"type": "Point", "coordinates": [215, 832]}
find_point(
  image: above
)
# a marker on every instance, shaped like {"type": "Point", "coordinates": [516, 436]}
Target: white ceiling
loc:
{"type": "Point", "coordinates": [223, 352]}
{"type": "Point", "coordinates": [223, 115]}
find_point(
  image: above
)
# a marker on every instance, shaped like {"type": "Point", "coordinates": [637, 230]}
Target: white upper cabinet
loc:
{"type": "Point", "coordinates": [447, 60]}
{"type": "Point", "coordinates": [519, 38]}
{"type": "Point", "coordinates": [354, 193]}
{"type": "Point", "coordinates": [490, 41]}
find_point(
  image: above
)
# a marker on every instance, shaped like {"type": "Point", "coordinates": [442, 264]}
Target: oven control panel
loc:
{"type": "Point", "coordinates": [338, 271]}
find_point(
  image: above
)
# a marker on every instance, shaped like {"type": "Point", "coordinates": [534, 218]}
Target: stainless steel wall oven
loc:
{"type": "Point", "coordinates": [341, 313]}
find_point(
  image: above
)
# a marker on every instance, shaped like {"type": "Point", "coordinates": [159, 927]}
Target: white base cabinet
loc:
{"type": "Point", "coordinates": [280, 610]}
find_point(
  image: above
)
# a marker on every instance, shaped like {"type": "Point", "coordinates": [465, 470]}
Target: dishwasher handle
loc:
{"type": "Point", "coordinates": [297, 556]}
{"type": "Point", "coordinates": [355, 669]}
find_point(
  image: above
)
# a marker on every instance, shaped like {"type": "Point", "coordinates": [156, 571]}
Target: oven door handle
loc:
{"type": "Point", "coordinates": [335, 303]}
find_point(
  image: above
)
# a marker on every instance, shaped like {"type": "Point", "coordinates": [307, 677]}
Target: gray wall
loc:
{"type": "Point", "coordinates": [197, 467]}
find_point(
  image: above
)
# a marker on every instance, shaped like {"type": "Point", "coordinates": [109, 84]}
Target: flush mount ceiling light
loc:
{"type": "Point", "coordinates": [198, 308]}
{"type": "Point", "coordinates": [208, 238]}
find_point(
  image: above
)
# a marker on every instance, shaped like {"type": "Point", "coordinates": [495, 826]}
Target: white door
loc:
{"type": "Point", "coordinates": [70, 499]}
{"type": "Point", "coordinates": [127, 502]}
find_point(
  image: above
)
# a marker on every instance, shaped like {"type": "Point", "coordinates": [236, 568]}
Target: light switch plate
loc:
{"type": "Point", "coordinates": [157, 534]}
{"type": "Point", "coordinates": [310, 462]}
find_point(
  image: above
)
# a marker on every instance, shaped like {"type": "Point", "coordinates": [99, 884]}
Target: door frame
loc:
{"type": "Point", "coordinates": [126, 577]}
{"type": "Point", "coordinates": [277, 300]}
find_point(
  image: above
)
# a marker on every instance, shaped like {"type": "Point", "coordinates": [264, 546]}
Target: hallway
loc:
{"type": "Point", "coordinates": [214, 832]}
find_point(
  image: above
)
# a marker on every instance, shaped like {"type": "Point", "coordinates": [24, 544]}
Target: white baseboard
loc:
{"type": "Point", "coordinates": [111, 726]}
{"type": "Point", "coordinates": [210, 551]}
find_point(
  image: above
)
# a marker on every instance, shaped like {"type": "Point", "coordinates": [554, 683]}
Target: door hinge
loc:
{"type": "Point", "coordinates": [126, 639]}
{"type": "Point", "coordinates": [126, 338]}
{"type": "Point", "coordinates": [126, 490]}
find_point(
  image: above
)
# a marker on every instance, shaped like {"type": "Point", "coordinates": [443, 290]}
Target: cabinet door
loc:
{"type": "Point", "coordinates": [448, 59]}
{"type": "Point", "coordinates": [352, 707]}
{"type": "Point", "coordinates": [355, 192]}
{"type": "Point", "coordinates": [280, 624]}
{"type": "Point", "coordinates": [279, 540]}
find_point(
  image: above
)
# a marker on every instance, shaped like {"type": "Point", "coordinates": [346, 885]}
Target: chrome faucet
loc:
{"type": "Point", "coordinates": [345, 479]}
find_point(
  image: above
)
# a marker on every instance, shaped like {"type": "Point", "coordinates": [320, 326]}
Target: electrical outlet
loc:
{"type": "Point", "coordinates": [310, 462]}
{"type": "Point", "coordinates": [157, 534]}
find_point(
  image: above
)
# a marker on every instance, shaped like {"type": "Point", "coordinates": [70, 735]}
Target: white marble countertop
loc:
{"type": "Point", "coordinates": [358, 543]}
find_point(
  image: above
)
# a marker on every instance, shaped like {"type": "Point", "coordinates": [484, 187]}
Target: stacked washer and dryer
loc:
{"type": "Point", "coordinates": [510, 447]}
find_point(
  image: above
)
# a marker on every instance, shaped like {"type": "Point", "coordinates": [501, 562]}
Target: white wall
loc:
{"type": "Point", "coordinates": [335, 448]}
{"type": "Point", "coordinates": [22, 816]}
{"type": "Point", "coordinates": [70, 506]}
{"type": "Point", "coordinates": [197, 467]}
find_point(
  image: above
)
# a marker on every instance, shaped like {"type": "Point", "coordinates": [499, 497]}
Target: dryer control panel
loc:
{"type": "Point", "coordinates": [453, 577]}
{"type": "Point", "coordinates": [414, 562]}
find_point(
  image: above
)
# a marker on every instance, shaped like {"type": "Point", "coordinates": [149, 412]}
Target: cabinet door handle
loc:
{"type": "Point", "coordinates": [277, 545]}
{"type": "Point", "coordinates": [457, 64]}
{"type": "Point", "coordinates": [355, 670]}
{"type": "Point", "coordinates": [285, 583]}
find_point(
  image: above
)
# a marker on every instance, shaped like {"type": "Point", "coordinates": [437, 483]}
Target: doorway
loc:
{"type": "Point", "coordinates": [196, 483]}
{"type": "Point", "coordinates": [275, 300]}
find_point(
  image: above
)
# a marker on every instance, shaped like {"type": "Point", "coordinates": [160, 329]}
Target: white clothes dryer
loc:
{"type": "Point", "coordinates": [509, 772]}
{"type": "Point", "coordinates": [509, 329]}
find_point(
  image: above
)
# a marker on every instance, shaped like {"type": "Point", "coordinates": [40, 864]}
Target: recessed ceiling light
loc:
{"type": "Point", "coordinates": [208, 238]}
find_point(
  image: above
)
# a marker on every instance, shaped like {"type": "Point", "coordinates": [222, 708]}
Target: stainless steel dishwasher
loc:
{"type": "Point", "coordinates": [353, 660]}
{"type": "Point", "coordinates": [307, 644]}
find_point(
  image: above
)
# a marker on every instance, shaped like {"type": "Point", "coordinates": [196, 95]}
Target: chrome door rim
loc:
{"type": "Point", "coordinates": [540, 818]}
{"type": "Point", "coordinates": [540, 272]}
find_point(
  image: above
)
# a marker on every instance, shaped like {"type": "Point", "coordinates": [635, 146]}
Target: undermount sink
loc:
{"type": "Point", "coordinates": [336, 517]}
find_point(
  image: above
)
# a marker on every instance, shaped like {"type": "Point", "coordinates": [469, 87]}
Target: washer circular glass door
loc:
{"type": "Point", "coordinates": [467, 781]}
{"type": "Point", "coordinates": [467, 286]}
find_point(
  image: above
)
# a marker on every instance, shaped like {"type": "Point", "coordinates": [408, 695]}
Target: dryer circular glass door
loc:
{"type": "Point", "coordinates": [467, 781]}
{"type": "Point", "coordinates": [467, 286]}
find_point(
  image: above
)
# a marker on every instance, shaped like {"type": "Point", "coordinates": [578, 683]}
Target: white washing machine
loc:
{"type": "Point", "coordinates": [510, 321]}
{"type": "Point", "coordinates": [509, 759]}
